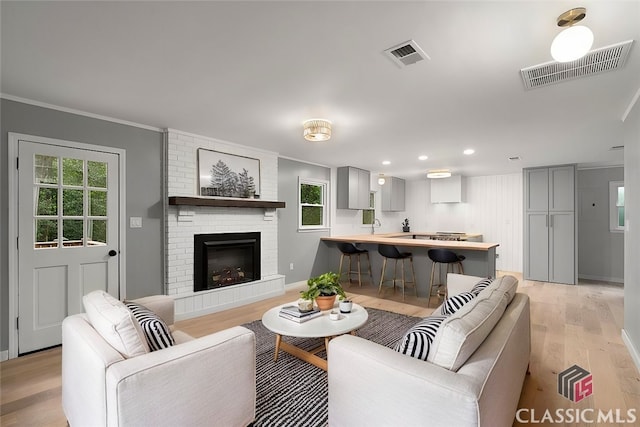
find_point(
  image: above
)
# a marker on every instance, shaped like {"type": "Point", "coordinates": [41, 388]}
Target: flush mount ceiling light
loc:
{"type": "Point", "coordinates": [574, 41]}
{"type": "Point", "coordinates": [439, 173]}
{"type": "Point", "coordinates": [317, 130]}
{"type": "Point", "coordinates": [381, 179]}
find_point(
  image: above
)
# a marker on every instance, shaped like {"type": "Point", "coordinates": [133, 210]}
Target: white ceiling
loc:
{"type": "Point", "coordinates": [252, 72]}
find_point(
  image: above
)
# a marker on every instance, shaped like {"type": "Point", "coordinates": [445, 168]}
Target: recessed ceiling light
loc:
{"type": "Point", "coordinates": [386, 162]}
{"type": "Point", "coordinates": [469, 151]}
{"type": "Point", "coordinates": [423, 157]}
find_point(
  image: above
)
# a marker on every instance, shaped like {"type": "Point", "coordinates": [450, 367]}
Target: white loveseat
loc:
{"type": "Point", "coordinates": [208, 381]}
{"type": "Point", "coordinates": [372, 385]}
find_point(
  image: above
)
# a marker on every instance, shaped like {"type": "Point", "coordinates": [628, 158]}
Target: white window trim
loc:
{"type": "Point", "coordinates": [325, 199]}
{"type": "Point", "coordinates": [613, 209]}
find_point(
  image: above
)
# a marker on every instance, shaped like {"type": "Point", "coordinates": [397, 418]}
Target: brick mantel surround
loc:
{"type": "Point", "coordinates": [183, 222]}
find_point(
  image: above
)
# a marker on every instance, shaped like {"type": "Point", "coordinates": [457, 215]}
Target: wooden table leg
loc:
{"type": "Point", "coordinates": [278, 341]}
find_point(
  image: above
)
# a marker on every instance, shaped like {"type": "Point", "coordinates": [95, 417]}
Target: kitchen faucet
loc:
{"type": "Point", "coordinates": [373, 223]}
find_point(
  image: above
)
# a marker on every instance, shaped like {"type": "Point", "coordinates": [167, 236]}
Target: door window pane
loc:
{"type": "Point", "coordinates": [72, 202]}
{"type": "Point", "coordinates": [46, 233]}
{"type": "Point", "coordinates": [46, 169]}
{"type": "Point", "coordinates": [97, 174]}
{"type": "Point", "coordinates": [97, 232]}
{"type": "Point", "coordinates": [46, 201]}
{"type": "Point", "coordinates": [72, 171]}
{"type": "Point", "coordinates": [72, 232]}
{"type": "Point", "coordinates": [97, 203]}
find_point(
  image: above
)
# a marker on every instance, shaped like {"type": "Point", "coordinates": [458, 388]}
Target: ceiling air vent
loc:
{"type": "Point", "coordinates": [406, 53]}
{"type": "Point", "coordinates": [597, 61]}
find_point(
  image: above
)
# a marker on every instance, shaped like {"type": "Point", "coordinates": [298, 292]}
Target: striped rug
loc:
{"type": "Point", "coordinates": [291, 392]}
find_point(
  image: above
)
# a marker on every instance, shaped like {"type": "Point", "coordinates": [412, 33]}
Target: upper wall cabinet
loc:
{"type": "Point", "coordinates": [353, 188]}
{"type": "Point", "coordinates": [447, 190]}
{"type": "Point", "coordinates": [393, 194]}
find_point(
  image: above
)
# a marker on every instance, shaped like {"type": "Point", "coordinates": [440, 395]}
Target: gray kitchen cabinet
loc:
{"type": "Point", "coordinates": [550, 243]}
{"type": "Point", "coordinates": [354, 185]}
{"type": "Point", "coordinates": [393, 193]}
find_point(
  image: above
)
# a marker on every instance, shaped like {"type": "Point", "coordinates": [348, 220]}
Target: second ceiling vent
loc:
{"type": "Point", "coordinates": [406, 53]}
{"type": "Point", "coordinates": [597, 61]}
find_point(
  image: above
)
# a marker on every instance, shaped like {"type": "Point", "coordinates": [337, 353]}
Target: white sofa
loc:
{"type": "Point", "coordinates": [208, 381]}
{"type": "Point", "coordinates": [372, 385]}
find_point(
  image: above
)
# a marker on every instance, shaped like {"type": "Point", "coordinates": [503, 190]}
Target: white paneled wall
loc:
{"type": "Point", "coordinates": [493, 208]}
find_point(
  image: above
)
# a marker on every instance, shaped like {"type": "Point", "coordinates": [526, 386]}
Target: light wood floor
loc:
{"type": "Point", "coordinates": [570, 325]}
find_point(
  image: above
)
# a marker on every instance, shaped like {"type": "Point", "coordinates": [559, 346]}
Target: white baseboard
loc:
{"type": "Point", "coordinates": [227, 306]}
{"type": "Point", "coordinates": [4, 355]}
{"type": "Point", "coordinates": [301, 284]}
{"type": "Point", "coordinates": [601, 278]}
{"type": "Point", "coordinates": [635, 354]}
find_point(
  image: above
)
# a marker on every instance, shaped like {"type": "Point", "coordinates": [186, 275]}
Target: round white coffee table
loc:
{"type": "Point", "coordinates": [319, 327]}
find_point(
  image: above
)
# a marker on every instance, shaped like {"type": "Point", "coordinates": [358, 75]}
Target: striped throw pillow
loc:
{"type": "Point", "coordinates": [455, 303]}
{"type": "Point", "coordinates": [416, 342]}
{"type": "Point", "coordinates": [482, 284]}
{"type": "Point", "coordinates": [155, 329]}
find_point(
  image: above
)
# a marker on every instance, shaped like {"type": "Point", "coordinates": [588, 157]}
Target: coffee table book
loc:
{"type": "Point", "coordinates": [299, 319]}
{"type": "Point", "coordinates": [295, 311]}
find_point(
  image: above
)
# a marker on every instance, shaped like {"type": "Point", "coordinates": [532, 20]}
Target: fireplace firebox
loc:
{"type": "Point", "coordinates": [225, 259]}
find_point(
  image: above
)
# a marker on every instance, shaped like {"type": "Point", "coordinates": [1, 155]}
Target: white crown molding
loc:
{"type": "Point", "coordinates": [77, 112]}
{"type": "Point", "coordinates": [633, 102]}
{"type": "Point", "coordinates": [305, 161]}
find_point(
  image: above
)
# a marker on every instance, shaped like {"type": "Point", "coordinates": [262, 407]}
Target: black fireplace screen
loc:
{"type": "Point", "coordinates": [225, 259]}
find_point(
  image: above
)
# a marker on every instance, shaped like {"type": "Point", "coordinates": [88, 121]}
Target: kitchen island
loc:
{"type": "Point", "coordinates": [480, 257]}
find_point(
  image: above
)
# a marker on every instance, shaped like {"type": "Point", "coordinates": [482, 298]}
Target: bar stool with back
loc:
{"type": "Point", "coordinates": [350, 250]}
{"type": "Point", "coordinates": [391, 252]}
{"type": "Point", "coordinates": [443, 256]}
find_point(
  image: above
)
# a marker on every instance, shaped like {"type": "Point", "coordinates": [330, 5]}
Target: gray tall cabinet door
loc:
{"type": "Point", "coordinates": [550, 224]}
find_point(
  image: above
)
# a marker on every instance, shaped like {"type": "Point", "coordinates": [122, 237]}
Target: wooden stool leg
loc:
{"type": "Point", "coordinates": [384, 266]}
{"type": "Point", "coordinates": [369, 264]}
{"type": "Point", "coordinates": [359, 275]}
{"type": "Point", "coordinates": [403, 278]}
{"type": "Point", "coordinates": [340, 269]}
{"type": "Point", "coordinates": [413, 276]}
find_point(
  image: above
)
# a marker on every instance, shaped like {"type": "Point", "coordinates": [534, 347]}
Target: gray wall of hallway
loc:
{"type": "Point", "coordinates": [144, 175]}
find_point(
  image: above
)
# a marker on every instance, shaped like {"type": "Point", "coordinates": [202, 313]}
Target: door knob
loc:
{"type": "Point", "coordinates": [112, 252]}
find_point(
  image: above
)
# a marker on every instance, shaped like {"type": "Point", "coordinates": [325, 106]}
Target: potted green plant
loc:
{"type": "Point", "coordinates": [323, 289]}
{"type": "Point", "coordinates": [405, 225]}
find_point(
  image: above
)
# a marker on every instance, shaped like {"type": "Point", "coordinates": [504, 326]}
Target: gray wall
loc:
{"type": "Point", "coordinates": [303, 249]}
{"type": "Point", "coordinates": [600, 251]}
{"type": "Point", "coordinates": [632, 232]}
{"type": "Point", "coordinates": [144, 175]}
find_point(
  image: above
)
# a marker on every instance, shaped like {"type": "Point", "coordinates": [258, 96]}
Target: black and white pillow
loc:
{"type": "Point", "coordinates": [416, 342]}
{"type": "Point", "coordinates": [455, 303]}
{"type": "Point", "coordinates": [482, 284]}
{"type": "Point", "coordinates": [155, 329]}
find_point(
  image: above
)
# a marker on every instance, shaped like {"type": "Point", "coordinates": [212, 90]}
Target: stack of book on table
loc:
{"type": "Point", "coordinates": [291, 312]}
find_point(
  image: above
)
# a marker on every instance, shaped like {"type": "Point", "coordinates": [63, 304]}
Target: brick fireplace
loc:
{"type": "Point", "coordinates": [184, 222]}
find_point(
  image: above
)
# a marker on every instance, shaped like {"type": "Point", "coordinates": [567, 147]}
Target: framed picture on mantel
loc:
{"type": "Point", "coordinates": [228, 175]}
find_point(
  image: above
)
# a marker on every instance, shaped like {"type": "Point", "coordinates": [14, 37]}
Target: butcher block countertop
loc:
{"type": "Point", "coordinates": [407, 239]}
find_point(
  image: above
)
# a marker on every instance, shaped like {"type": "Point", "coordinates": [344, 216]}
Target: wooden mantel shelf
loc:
{"type": "Point", "coordinates": [224, 203]}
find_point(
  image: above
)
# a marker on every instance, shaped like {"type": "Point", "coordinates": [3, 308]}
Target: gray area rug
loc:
{"type": "Point", "coordinates": [291, 392]}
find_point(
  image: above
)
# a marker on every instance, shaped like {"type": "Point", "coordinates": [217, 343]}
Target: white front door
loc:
{"type": "Point", "coordinates": [68, 244]}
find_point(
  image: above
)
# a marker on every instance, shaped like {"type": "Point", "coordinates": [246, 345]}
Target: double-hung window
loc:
{"type": "Point", "coordinates": [369, 215]}
{"type": "Point", "coordinates": [313, 196]}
